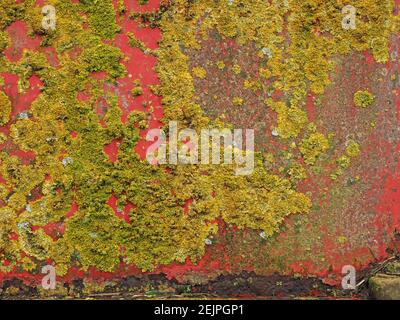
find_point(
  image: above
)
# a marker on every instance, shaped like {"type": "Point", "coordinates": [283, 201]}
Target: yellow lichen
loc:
{"type": "Point", "coordinates": [136, 43]}
{"type": "Point", "coordinates": [313, 146]}
{"type": "Point", "coordinates": [353, 149]}
{"type": "Point", "coordinates": [291, 120]}
{"type": "Point", "coordinates": [236, 69]}
{"type": "Point", "coordinates": [3, 138]}
{"type": "Point", "coordinates": [343, 162]}
{"type": "Point", "coordinates": [199, 72]}
{"type": "Point", "coordinates": [252, 85]}
{"type": "Point", "coordinates": [363, 99]}
{"type": "Point", "coordinates": [221, 65]}
{"type": "Point", "coordinates": [342, 239]}
{"type": "Point", "coordinates": [237, 101]}
{"type": "Point", "coordinates": [68, 171]}
{"type": "Point", "coordinates": [297, 172]}
{"type": "Point", "coordinates": [137, 90]}
{"type": "Point", "coordinates": [4, 41]}
{"type": "Point", "coordinates": [265, 73]}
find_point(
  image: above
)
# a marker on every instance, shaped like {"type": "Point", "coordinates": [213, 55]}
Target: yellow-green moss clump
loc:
{"type": "Point", "coordinates": [252, 85]}
{"type": "Point", "coordinates": [237, 101]}
{"type": "Point", "coordinates": [136, 43]}
{"type": "Point", "coordinates": [199, 72]}
{"type": "Point", "coordinates": [5, 109]}
{"type": "Point", "coordinates": [137, 89]}
{"type": "Point", "coordinates": [4, 41]}
{"type": "Point", "coordinates": [3, 138]}
{"type": "Point", "coordinates": [9, 12]}
{"type": "Point", "coordinates": [313, 146]}
{"type": "Point", "coordinates": [344, 161]}
{"type": "Point", "coordinates": [236, 69]}
{"type": "Point", "coordinates": [363, 99]}
{"type": "Point", "coordinates": [353, 149]}
{"type": "Point", "coordinates": [70, 170]}
{"type": "Point", "coordinates": [291, 120]}
{"type": "Point", "coordinates": [221, 65]}
{"type": "Point", "coordinates": [102, 57]}
{"type": "Point", "coordinates": [101, 17]}
{"type": "Point", "coordinates": [297, 172]}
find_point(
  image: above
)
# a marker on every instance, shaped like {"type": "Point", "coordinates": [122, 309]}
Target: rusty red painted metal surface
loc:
{"type": "Point", "coordinates": [369, 218]}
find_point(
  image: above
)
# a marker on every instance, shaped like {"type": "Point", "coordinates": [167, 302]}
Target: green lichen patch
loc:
{"type": "Point", "coordinates": [363, 99]}
{"type": "Point", "coordinates": [353, 149]}
{"type": "Point", "coordinates": [313, 146]}
{"type": "Point", "coordinates": [103, 58]}
{"type": "Point", "coordinates": [237, 101]}
{"type": "Point", "coordinates": [136, 43]}
{"type": "Point", "coordinates": [137, 89]}
{"type": "Point", "coordinates": [291, 120]}
{"type": "Point", "coordinates": [4, 41]}
{"type": "Point", "coordinates": [3, 138]}
{"type": "Point", "coordinates": [9, 12]}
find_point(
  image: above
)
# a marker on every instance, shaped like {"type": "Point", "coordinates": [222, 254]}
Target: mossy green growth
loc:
{"type": "Point", "coordinates": [295, 67]}
{"type": "Point", "coordinates": [353, 149]}
{"type": "Point", "coordinates": [136, 43]}
{"type": "Point", "coordinates": [3, 138]}
{"type": "Point", "coordinates": [237, 101]}
{"type": "Point", "coordinates": [121, 7]}
{"type": "Point", "coordinates": [236, 69]}
{"type": "Point", "coordinates": [103, 57]}
{"type": "Point", "coordinates": [313, 146]}
{"type": "Point", "coordinates": [5, 108]}
{"type": "Point", "coordinates": [297, 172]}
{"type": "Point", "coordinates": [71, 171]}
{"type": "Point", "coordinates": [343, 162]}
{"type": "Point", "coordinates": [199, 72]}
{"type": "Point", "coordinates": [137, 90]}
{"type": "Point", "coordinates": [4, 41]}
{"type": "Point", "coordinates": [363, 99]}
{"type": "Point", "coordinates": [221, 65]}
{"type": "Point", "coordinates": [102, 17]}
{"type": "Point", "coordinates": [9, 12]}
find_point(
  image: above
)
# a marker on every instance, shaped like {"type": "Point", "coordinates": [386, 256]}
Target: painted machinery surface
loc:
{"type": "Point", "coordinates": [77, 102]}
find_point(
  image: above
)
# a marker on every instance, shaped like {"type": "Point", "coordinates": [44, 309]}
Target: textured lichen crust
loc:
{"type": "Point", "coordinates": [67, 136]}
